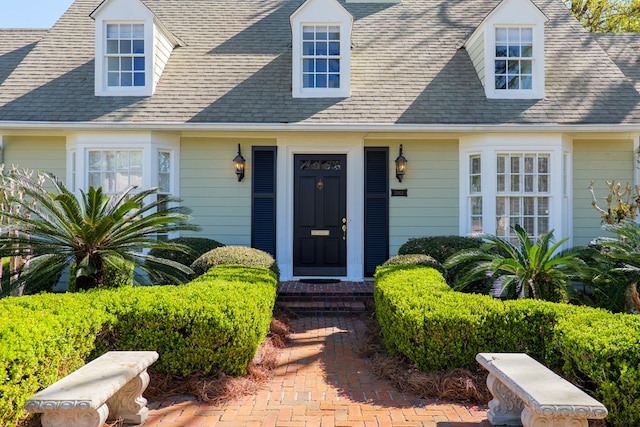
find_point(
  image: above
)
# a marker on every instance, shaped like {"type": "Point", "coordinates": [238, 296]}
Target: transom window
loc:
{"type": "Point", "coordinates": [125, 55]}
{"type": "Point", "coordinates": [320, 56]}
{"type": "Point", "coordinates": [522, 194]}
{"type": "Point", "coordinates": [115, 170]}
{"type": "Point", "coordinates": [514, 58]}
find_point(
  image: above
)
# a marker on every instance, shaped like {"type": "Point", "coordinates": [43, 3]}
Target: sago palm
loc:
{"type": "Point", "coordinates": [90, 233]}
{"type": "Point", "coordinates": [524, 270]}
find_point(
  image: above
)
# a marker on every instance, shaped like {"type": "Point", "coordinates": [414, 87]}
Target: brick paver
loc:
{"type": "Point", "coordinates": [320, 382]}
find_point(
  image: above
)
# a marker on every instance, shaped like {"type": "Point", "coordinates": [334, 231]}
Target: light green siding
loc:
{"type": "Point", "coordinates": [220, 204]}
{"type": "Point", "coordinates": [431, 206]}
{"type": "Point", "coordinates": [44, 153]}
{"type": "Point", "coordinates": [598, 161]}
{"type": "Point", "coordinates": [476, 53]}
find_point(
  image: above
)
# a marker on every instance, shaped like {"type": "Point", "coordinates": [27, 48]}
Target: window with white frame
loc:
{"type": "Point", "coordinates": [321, 50]}
{"type": "Point", "coordinates": [522, 193]}
{"type": "Point", "coordinates": [321, 56]}
{"type": "Point", "coordinates": [513, 58]}
{"type": "Point", "coordinates": [507, 183]}
{"type": "Point", "coordinates": [125, 55]}
{"type": "Point", "coordinates": [114, 170]}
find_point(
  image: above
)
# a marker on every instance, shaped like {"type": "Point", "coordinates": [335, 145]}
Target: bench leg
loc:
{"type": "Point", "coordinates": [128, 402]}
{"type": "Point", "coordinates": [530, 419]}
{"type": "Point", "coordinates": [76, 418]}
{"type": "Point", "coordinates": [505, 408]}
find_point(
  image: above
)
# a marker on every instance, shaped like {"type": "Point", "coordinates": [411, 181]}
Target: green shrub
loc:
{"type": "Point", "coordinates": [235, 255]}
{"type": "Point", "coordinates": [197, 246]}
{"type": "Point", "coordinates": [438, 247]}
{"type": "Point", "coordinates": [439, 329]}
{"type": "Point", "coordinates": [211, 325]}
{"type": "Point", "coordinates": [416, 259]}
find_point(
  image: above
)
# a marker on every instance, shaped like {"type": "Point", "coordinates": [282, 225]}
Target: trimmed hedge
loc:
{"type": "Point", "coordinates": [438, 247]}
{"type": "Point", "coordinates": [235, 255]}
{"type": "Point", "coordinates": [437, 328]}
{"type": "Point", "coordinates": [211, 325]}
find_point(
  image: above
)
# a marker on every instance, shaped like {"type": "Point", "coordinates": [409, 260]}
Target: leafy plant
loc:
{"type": "Point", "coordinates": [537, 270]}
{"type": "Point", "coordinates": [235, 255]}
{"type": "Point", "coordinates": [90, 233]}
{"type": "Point", "coordinates": [625, 252]}
{"type": "Point", "coordinates": [438, 247]}
{"type": "Point", "coordinates": [196, 247]}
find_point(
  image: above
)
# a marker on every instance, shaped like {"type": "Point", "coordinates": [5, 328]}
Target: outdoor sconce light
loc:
{"type": "Point", "coordinates": [401, 165]}
{"type": "Point", "coordinates": [239, 162]}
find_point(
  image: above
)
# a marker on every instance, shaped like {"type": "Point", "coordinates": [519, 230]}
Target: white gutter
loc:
{"type": "Point", "coordinates": [310, 127]}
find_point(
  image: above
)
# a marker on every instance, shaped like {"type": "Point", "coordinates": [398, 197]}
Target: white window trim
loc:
{"type": "Point", "coordinates": [488, 147]}
{"type": "Point", "coordinates": [537, 85]}
{"type": "Point", "coordinates": [101, 87]}
{"type": "Point", "coordinates": [321, 12]}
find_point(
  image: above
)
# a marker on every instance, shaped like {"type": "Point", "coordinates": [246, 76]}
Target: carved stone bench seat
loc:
{"type": "Point", "coordinates": [107, 388]}
{"type": "Point", "coordinates": [527, 393]}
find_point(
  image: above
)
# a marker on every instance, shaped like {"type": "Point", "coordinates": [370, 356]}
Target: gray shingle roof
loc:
{"type": "Point", "coordinates": [624, 50]}
{"type": "Point", "coordinates": [407, 68]}
{"type": "Point", "coordinates": [15, 44]}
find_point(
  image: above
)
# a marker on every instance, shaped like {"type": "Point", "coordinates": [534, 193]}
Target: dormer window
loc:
{"type": "Point", "coordinates": [514, 58]}
{"type": "Point", "coordinates": [125, 55]}
{"type": "Point", "coordinates": [132, 48]}
{"type": "Point", "coordinates": [321, 54]}
{"type": "Point", "coordinates": [507, 51]}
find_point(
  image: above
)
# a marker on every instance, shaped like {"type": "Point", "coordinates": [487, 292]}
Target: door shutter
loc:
{"type": "Point", "coordinates": [376, 208]}
{"type": "Point", "coordinates": [263, 199]}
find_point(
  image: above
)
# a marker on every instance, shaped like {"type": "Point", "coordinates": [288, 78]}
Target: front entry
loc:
{"type": "Point", "coordinates": [320, 215]}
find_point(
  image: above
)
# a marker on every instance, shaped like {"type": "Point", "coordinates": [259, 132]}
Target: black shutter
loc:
{"type": "Point", "coordinates": [263, 199]}
{"type": "Point", "coordinates": [376, 208]}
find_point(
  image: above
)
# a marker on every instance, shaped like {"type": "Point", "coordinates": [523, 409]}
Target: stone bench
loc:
{"type": "Point", "coordinates": [109, 387]}
{"type": "Point", "coordinates": [527, 393]}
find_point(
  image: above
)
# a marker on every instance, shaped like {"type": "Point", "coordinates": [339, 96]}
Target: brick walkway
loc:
{"type": "Point", "coordinates": [320, 382]}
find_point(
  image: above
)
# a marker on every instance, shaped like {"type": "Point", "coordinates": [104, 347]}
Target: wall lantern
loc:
{"type": "Point", "coordinates": [401, 165]}
{"type": "Point", "coordinates": [239, 162]}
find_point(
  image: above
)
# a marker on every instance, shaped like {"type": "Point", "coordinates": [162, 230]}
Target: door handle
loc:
{"type": "Point", "coordinates": [344, 228]}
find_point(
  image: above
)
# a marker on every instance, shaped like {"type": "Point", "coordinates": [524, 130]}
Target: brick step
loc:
{"type": "Point", "coordinates": [324, 308]}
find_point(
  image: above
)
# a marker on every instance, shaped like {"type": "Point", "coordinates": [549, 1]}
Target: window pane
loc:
{"type": "Point", "coordinates": [138, 46]}
{"type": "Point", "coordinates": [501, 67]}
{"type": "Point", "coordinates": [122, 181]}
{"type": "Point", "coordinates": [334, 65]}
{"type": "Point", "coordinates": [113, 79]}
{"type": "Point", "coordinates": [501, 34]}
{"type": "Point", "coordinates": [500, 184]}
{"type": "Point", "coordinates": [308, 80]}
{"type": "Point", "coordinates": [501, 51]}
{"type": "Point", "coordinates": [475, 184]}
{"type": "Point", "coordinates": [543, 206]}
{"type": "Point", "coordinates": [475, 164]}
{"type": "Point", "coordinates": [321, 80]}
{"type": "Point", "coordinates": [543, 164]}
{"type": "Point", "coordinates": [543, 225]}
{"type": "Point", "coordinates": [110, 160]}
{"type": "Point", "coordinates": [321, 65]}
{"type": "Point", "coordinates": [307, 65]}
{"type": "Point", "coordinates": [138, 31]}
{"type": "Point", "coordinates": [126, 64]}
{"type": "Point", "coordinates": [528, 184]}
{"type": "Point", "coordinates": [321, 33]}
{"type": "Point", "coordinates": [334, 33]}
{"type": "Point", "coordinates": [514, 83]}
{"type": "Point", "coordinates": [525, 82]}
{"type": "Point", "coordinates": [513, 67]}
{"type": "Point", "coordinates": [113, 64]}
{"type": "Point", "coordinates": [126, 79]}
{"type": "Point", "coordinates": [501, 82]}
{"type": "Point", "coordinates": [528, 224]}
{"type": "Point", "coordinates": [501, 205]}
{"type": "Point", "coordinates": [513, 35]}
{"type": "Point", "coordinates": [525, 67]}
{"type": "Point", "coordinates": [526, 35]}
{"type": "Point", "coordinates": [515, 164]}
{"type": "Point", "coordinates": [476, 225]}
{"type": "Point", "coordinates": [135, 179]}
{"type": "Point", "coordinates": [334, 48]}
{"type": "Point", "coordinates": [514, 51]}
{"type": "Point", "coordinates": [476, 206]}
{"type": "Point", "coordinates": [138, 64]}
{"type": "Point", "coordinates": [125, 46]}
{"type": "Point", "coordinates": [334, 80]}
{"type": "Point", "coordinates": [138, 79]}
{"type": "Point", "coordinates": [112, 46]}
{"type": "Point", "coordinates": [528, 164]}
{"type": "Point", "coordinates": [112, 31]}
{"type": "Point", "coordinates": [529, 205]}
{"type": "Point", "coordinates": [308, 32]}
{"type": "Point", "coordinates": [135, 160]}
{"type": "Point", "coordinates": [514, 206]}
{"type": "Point", "coordinates": [527, 51]}
{"type": "Point", "coordinates": [109, 182]}
{"type": "Point", "coordinates": [125, 31]}
{"type": "Point", "coordinates": [123, 160]}
{"type": "Point", "coordinates": [321, 48]}
{"type": "Point", "coordinates": [308, 48]}
{"type": "Point", "coordinates": [543, 183]}
{"type": "Point", "coordinates": [94, 179]}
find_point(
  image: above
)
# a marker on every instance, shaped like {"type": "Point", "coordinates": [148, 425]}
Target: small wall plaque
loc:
{"type": "Point", "coordinates": [400, 193]}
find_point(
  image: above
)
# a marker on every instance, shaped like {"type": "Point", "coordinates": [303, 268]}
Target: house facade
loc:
{"type": "Point", "coordinates": [504, 111]}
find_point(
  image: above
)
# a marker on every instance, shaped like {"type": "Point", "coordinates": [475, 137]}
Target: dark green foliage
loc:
{"type": "Point", "coordinates": [212, 325]}
{"type": "Point", "coordinates": [440, 329]}
{"type": "Point", "coordinates": [92, 232]}
{"type": "Point", "coordinates": [524, 269]}
{"type": "Point", "coordinates": [235, 255]}
{"type": "Point", "coordinates": [194, 248]}
{"type": "Point", "coordinates": [438, 247]}
{"type": "Point", "coordinates": [415, 259]}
